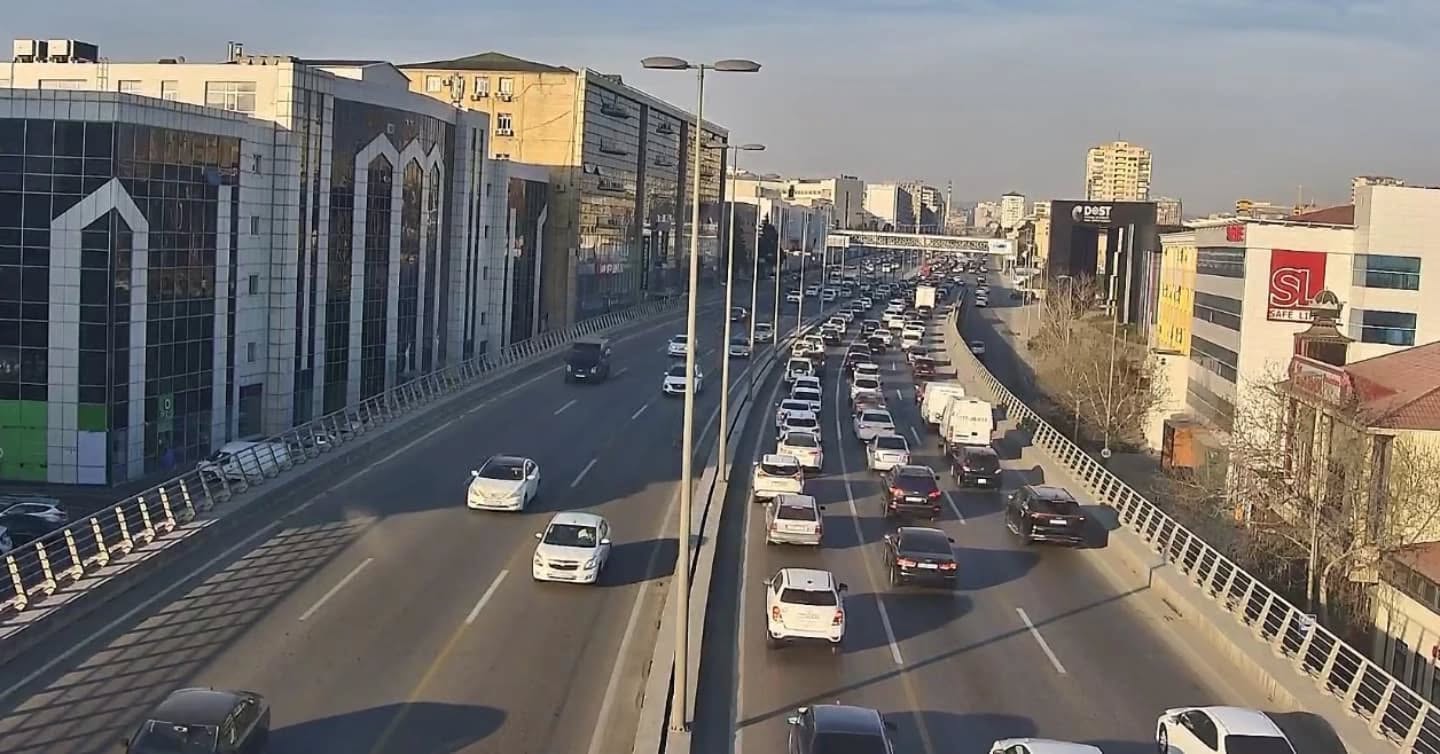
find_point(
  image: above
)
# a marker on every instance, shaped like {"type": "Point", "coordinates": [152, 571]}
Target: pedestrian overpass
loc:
{"type": "Point", "coordinates": [919, 242]}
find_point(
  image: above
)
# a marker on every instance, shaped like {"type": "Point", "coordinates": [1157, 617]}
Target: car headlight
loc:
{"type": "Point", "coordinates": [569, 368]}
{"type": "Point", "coordinates": [591, 563]}
{"type": "Point", "coordinates": [539, 560]}
{"type": "Point", "coordinates": [594, 370]}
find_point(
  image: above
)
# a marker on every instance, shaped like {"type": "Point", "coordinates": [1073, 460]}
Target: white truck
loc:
{"type": "Point", "coordinates": [966, 421]}
{"type": "Point", "coordinates": [937, 396]}
{"type": "Point", "coordinates": [925, 297]}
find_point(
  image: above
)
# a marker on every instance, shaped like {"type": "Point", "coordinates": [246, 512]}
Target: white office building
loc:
{"type": "Point", "coordinates": [1254, 280]}
{"type": "Point", "coordinates": [1012, 210]}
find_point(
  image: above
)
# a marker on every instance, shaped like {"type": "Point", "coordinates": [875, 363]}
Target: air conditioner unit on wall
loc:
{"type": "Point", "coordinates": [505, 96]}
{"type": "Point", "coordinates": [478, 95]}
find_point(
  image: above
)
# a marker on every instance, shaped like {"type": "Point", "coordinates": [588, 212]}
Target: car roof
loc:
{"type": "Point", "coordinates": [504, 460]}
{"type": "Point", "coordinates": [923, 533]}
{"type": "Point", "coordinates": [793, 500]}
{"type": "Point", "coordinates": [577, 518]}
{"type": "Point", "coordinates": [590, 341]}
{"type": "Point", "coordinates": [1050, 492]}
{"type": "Point", "coordinates": [845, 718]}
{"type": "Point", "coordinates": [1048, 746]}
{"type": "Point", "coordinates": [779, 459]}
{"type": "Point", "coordinates": [809, 579]}
{"type": "Point", "coordinates": [196, 706]}
{"type": "Point", "coordinates": [1238, 721]}
{"type": "Point", "coordinates": [978, 450]}
{"type": "Point", "coordinates": [802, 415]}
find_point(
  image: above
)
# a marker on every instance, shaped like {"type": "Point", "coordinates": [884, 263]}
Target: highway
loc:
{"type": "Point", "coordinates": [1034, 642]}
{"type": "Point", "coordinates": [384, 616]}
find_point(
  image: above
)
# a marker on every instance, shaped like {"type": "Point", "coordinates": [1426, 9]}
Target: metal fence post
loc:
{"type": "Point", "coordinates": [47, 584]}
{"type": "Point", "coordinates": [165, 508]}
{"type": "Point", "coordinates": [76, 570]}
{"type": "Point", "coordinates": [126, 543]}
{"type": "Point", "coordinates": [102, 549]}
{"type": "Point", "coordinates": [22, 597]}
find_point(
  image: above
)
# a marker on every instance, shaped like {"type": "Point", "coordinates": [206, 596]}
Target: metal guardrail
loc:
{"type": "Point", "coordinates": [1391, 709]}
{"type": "Point", "coordinates": [40, 568]}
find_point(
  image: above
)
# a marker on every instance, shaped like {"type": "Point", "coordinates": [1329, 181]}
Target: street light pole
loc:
{"type": "Point", "coordinates": [804, 255]}
{"type": "Point", "coordinates": [723, 441]}
{"type": "Point", "coordinates": [779, 265]}
{"type": "Point", "coordinates": [754, 290]}
{"type": "Point", "coordinates": [680, 710]}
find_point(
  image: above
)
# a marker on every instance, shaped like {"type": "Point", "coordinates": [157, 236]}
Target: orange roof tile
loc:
{"type": "Point", "coordinates": [1343, 214]}
{"type": "Point", "coordinates": [1400, 390]}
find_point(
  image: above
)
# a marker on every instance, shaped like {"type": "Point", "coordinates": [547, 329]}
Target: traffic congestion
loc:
{"type": "Point", "coordinates": [878, 446]}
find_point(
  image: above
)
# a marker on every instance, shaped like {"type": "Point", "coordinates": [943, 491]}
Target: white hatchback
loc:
{"type": "Point", "coordinates": [862, 385]}
{"type": "Point", "coordinates": [674, 383]}
{"type": "Point", "coordinates": [872, 423]}
{"type": "Point", "coordinates": [574, 547]}
{"type": "Point", "coordinates": [794, 520]}
{"type": "Point", "coordinates": [867, 370]}
{"type": "Point", "coordinates": [804, 604]}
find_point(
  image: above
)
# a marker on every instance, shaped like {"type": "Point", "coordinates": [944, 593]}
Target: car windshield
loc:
{"type": "Point", "coordinates": [676, 371]}
{"type": "Point", "coordinates": [679, 339]}
{"type": "Point", "coordinates": [876, 417]}
{"type": "Point", "coordinates": [570, 535]}
{"type": "Point", "coordinates": [584, 350]}
{"type": "Point", "coordinates": [802, 422]}
{"type": "Point", "coordinates": [168, 738]}
{"type": "Point", "coordinates": [739, 340]}
{"type": "Point", "coordinates": [510, 471]}
{"type": "Point", "coordinates": [800, 440]}
{"type": "Point", "coordinates": [807, 395]}
{"type": "Point", "coordinates": [779, 469]}
{"type": "Point", "coordinates": [814, 598]}
{"type": "Point", "coordinates": [1257, 745]}
{"type": "Point", "coordinates": [791, 405]}
{"type": "Point", "coordinates": [793, 512]}
{"type": "Point", "coordinates": [891, 442]}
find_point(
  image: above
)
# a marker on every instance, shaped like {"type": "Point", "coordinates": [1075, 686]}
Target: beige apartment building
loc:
{"type": "Point", "coordinates": [1117, 172]}
{"type": "Point", "coordinates": [619, 159]}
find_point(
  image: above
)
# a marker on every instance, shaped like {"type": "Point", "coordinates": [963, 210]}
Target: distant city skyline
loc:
{"type": "Point", "coordinates": [1073, 77]}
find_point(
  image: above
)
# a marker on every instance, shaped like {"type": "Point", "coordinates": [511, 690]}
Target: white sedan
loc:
{"type": "Point", "coordinates": [674, 383]}
{"type": "Point", "coordinates": [575, 547]}
{"type": "Point", "coordinates": [789, 406]}
{"type": "Point", "coordinates": [867, 369]}
{"type": "Point", "coordinates": [861, 385]}
{"type": "Point", "coordinates": [503, 483]}
{"type": "Point", "coordinates": [804, 447]}
{"type": "Point", "coordinates": [678, 345]}
{"type": "Point", "coordinates": [872, 423]}
{"type": "Point", "coordinates": [808, 382]}
{"type": "Point", "coordinates": [1040, 746]}
{"type": "Point", "coordinates": [811, 398]}
{"type": "Point", "coordinates": [1219, 730]}
{"type": "Point", "coordinates": [887, 451]}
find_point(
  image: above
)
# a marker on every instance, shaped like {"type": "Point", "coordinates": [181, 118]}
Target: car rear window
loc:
{"type": "Point", "coordinates": [800, 440]}
{"type": "Point", "coordinates": [793, 405]}
{"type": "Point", "coordinates": [1055, 507]}
{"type": "Point", "coordinates": [803, 422]}
{"type": "Point", "coordinates": [800, 364]}
{"type": "Point", "coordinates": [867, 383]}
{"type": "Point", "coordinates": [982, 461]}
{"type": "Point", "coordinates": [779, 469]}
{"type": "Point", "coordinates": [808, 597]}
{"type": "Point", "coordinates": [795, 513]}
{"type": "Point", "coordinates": [930, 543]}
{"type": "Point", "coordinates": [891, 442]}
{"type": "Point", "coordinates": [806, 395]}
{"type": "Point", "coordinates": [875, 416]}
{"type": "Point", "coordinates": [915, 481]}
{"type": "Point", "coordinates": [676, 371]}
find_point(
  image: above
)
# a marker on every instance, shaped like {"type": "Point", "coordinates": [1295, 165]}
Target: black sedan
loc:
{"type": "Point", "coordinates": [203, 720]}
{"type": "Point", "coordinates": [916, 554]}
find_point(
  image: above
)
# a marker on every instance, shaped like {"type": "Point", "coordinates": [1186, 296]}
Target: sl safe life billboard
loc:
{"type": "Point", "coordinates": [1295, 279]}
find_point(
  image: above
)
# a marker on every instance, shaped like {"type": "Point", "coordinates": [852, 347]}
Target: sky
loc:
{"type": "Point", "coordinates": [1261, 99]}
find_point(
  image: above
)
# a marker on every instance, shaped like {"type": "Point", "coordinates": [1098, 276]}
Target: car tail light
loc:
{"type": "Point", "coordinates": [775, 613]}
{"type": "Point", "coordinates": [896, 491]}
{"type": "Point", "coordinates": [838, 619]}
{"type": "Point", "coordinates": [947, 566]}
{"type": "Point", "coordinates": [905, 563]}
{"type": "Point", "coordinates": [934, 494]}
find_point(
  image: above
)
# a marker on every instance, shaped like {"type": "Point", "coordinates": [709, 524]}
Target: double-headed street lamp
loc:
{"type": "Point", "coordinates": [734, 149]}
{"type": "Point", "coordinates": [680, 709]}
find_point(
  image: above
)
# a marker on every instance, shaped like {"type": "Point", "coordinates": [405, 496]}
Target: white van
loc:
{"type": "Point", "coordinates": [967, 421]}
{"type": "Point", "coordinates": [244, 461]}
{"type": "Point", "coordinates": [937, 395]}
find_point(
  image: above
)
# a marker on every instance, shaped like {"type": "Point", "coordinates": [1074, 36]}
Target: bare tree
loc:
{"type": "Point", "coordinates": [1313, 484]}
{"type": "Point", "coordinates": [1105, 384]}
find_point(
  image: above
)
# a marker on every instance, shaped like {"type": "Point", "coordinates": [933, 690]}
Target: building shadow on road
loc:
{"type": "Point", "coordinates": [944, 729]}
{"type": "Point", "coordinates": [137, 663]}
{"type": "Point", "coordinates": [1309, 732]}
{"type": "Point", "coordinates": [913, 611]}
{"type": "Point", "coordinates": [415, 728]}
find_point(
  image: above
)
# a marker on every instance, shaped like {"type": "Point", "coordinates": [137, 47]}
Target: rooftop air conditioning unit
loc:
{"type": "Point", "coordinates": [71, 51]}
{"type": "Point", "coordinates": [29, 50]}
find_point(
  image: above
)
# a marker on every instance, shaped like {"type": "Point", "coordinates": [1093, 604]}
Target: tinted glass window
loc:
{"type": "Point", "coordinates": [807, 597]}
{"type": "Point", "coordinates": [571, 535]}
{"type": "Point", "coordinates": [891, 442]}
{"type": "Point", "coordinates": [876, 416]}
{"type": "Point", "coordinates": [166, 738]}
{"type": "Point", "coordinates": [676, 371]}
{"type": "Point", "coordinates": [807, 395]}
{"type": "Point", "coordinates": [982, 461]}
{"type": "Point", "coordinates": [588, 349]}
{"type": "Point", "coordinates": [800, 440]}
{"type": "Point", "coordinates": [795, 513]}
{"type": "Point", "coordinates": [925, 542]}
{"type": "Point", "coordinates": [776, 469]}
{"type": "Point", "coordinates": [1256, 745]}
{"type": "Point", "coordinates": [507, 470]}
{"type": "Point", "coordinates": [803, 422]}
{"type": "Point", "coordinates": [1057, 507]}
{"type": "Point", "coordinates": [849, 743]}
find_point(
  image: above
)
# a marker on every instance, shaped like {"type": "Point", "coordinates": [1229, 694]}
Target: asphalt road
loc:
{"type": "Point", "coordinates": [1034, 642]}
{"type": "Point", "coordinates": [384, 616]}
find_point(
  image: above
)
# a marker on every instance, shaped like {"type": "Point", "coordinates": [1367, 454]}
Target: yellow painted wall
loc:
{"type": "Point", "coordinates": [1177, 297]}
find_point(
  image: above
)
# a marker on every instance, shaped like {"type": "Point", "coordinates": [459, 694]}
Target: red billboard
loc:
{"type": "Point", "coordinates": [1295, 278]}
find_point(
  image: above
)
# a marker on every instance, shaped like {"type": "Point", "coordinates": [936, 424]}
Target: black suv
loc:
{"type": "Point", "coordinates": [588, 361]}
{"type": "Point", "coordinates": [915, 554]}
{"type": "Point", "coordinates": [1044, 513]}
{"type": "Point", "coordinates": [839, 729]}
{"type": "Point", "coordinates": [975, 466]}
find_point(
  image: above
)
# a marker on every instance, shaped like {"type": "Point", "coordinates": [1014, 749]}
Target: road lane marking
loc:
{"type": "Point", "coordinates": [916, 434]}
{"type": "Point", "coordinates": [1044, 646]}
{"type": "Point", "coordinates": [336, 589]}
{"type": "Point", "coordinates": [561, 410]}
{"type": "Point", "coordinates": [639, 411]}
{"type": "Point", "coordinates": [72, 649]}
{"type": "Point", "coordinates": [623, 370]}
{"type": "Point", "coordinates": [955, 508]}
{"type": "Point", "coordinates": [484, 598]}
{"type": "Point", "coordinates": [581, 476]}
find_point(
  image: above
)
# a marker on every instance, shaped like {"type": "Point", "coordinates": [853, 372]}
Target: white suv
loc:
{"type": "Point", "coordinates": [678, 345]}
{"type": "Point", "coordinates": [804, 604]}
